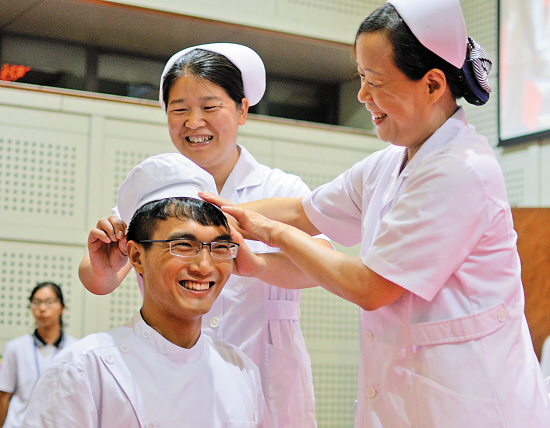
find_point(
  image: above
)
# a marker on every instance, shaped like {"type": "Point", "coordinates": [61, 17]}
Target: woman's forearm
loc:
{"type": "Point", "coordinates": [343, 275]}
{"type": "Point", "coordinates": [279, 270]}
{"type": "Point", "coordinates": [285, 210]}
{"type": "Point", "coordinates": [100, 284]}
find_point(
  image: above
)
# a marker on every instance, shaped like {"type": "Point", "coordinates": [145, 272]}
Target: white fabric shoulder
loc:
{"type": "Point", "coordinates": [336, 208]}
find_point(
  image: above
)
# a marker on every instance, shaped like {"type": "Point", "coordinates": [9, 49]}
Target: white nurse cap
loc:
{"type": "Point", "coordinates": [170, 175]}
{"type": "Point", "coordinates": [245, 59]}
{"type": "Point", "coordinates": [438, 25]}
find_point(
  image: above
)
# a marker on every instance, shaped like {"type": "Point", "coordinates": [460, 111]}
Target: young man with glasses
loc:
{"type": "Point", "coordinates": [158, 369]}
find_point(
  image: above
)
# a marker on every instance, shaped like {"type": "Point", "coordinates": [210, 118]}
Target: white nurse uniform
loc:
{"type": "Point", "coordinates": [455, 350]}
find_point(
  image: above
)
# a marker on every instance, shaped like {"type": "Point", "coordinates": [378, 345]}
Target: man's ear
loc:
{"type": "Point", "coordinates": [135, 253]}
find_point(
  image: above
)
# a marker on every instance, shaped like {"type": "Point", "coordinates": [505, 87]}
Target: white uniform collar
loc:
{"type": "Point", "coordinates": [164, 347]}
{"type": "Point", "coordinates": [244, 174]}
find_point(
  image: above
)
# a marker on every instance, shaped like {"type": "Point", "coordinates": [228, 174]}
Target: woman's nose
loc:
{"type": "Point", "coordinates": [194, 120]}
{"type": "Point", "coordinates": [364, 94]}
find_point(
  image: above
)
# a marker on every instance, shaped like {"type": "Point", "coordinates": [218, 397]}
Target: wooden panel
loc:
{"type": "Point", "coordinates": [533, 228]}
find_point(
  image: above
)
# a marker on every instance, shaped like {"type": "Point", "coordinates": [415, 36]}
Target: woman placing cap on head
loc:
{"type": "Point", "coordinates": [443, 337]}
{"type": "Point", "coordinates": [206, 91]}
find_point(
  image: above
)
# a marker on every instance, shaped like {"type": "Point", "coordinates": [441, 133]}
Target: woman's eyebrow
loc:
{"type": "Point", "coordinates": [208, 98]}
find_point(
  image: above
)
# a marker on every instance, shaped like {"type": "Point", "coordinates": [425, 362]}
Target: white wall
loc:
{"type": "Point", "coordinates": [322, 19]}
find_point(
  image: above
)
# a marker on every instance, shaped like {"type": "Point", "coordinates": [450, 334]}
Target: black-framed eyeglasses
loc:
{"type": "Point", "coordinates": [192, 248]}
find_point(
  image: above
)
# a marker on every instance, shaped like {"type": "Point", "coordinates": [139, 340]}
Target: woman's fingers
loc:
{"type": "Point", "coordinates": [246, 263]}
{"type": "Point", "coordinates": [107, 245]}
{"type": "Point", "coordinates": [110, 229]}
{"type": "Point", "coordinates": [251, 223]}
{"type": "Point", "coordinates": [215, 199]}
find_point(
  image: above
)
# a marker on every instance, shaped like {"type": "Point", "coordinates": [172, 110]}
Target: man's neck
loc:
{"type": "Point", "coordinates": [183, 333]}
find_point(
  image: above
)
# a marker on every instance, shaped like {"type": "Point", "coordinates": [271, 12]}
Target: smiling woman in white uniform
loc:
{"type": "Point", "coordinates": [444, 341]}
{"type": "Point", "coordinates": [206, 91]}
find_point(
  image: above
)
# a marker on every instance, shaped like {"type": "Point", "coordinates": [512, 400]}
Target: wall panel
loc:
{"type": "Point", "coordinates": [521, 170]}
{"type": "Point", "coordinates": [43, 175]}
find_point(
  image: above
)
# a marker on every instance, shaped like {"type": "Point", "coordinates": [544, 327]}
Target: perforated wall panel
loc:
{"type": "Point", "coordinates": [328, 317]}
{"type": "Point", "coordinates": [482, 23]}
{"type": "Point", "coordinates": [335, 393]}
{"type": "Point", "coordinates": [522, 172]}
{"type": "Point", "coordinates": [125, 301]}
{"type": "Point", "coordinates": [42, 177]}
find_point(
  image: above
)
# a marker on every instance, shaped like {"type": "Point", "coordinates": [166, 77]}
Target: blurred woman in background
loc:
{"type": "Point", "coordinates": [26, 357]}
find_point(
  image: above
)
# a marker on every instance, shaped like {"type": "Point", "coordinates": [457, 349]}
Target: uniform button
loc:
{"type": "Point", "coordinates": [150, 425]}
{"type": "Point", "coordinates": [368, 336]}
{"type": "Point", "coordinates": [145, 334]}
{"type": "Point", "coordinates": [214, 322]}
{"type": "Point", "coordinates": [110, 359]}
{"type": "Point", "coordinates": [370, 392]}
{"type": "Point", "coordinates": [124, 348]}
{"type": "Point", "coordinates": [502, 315]}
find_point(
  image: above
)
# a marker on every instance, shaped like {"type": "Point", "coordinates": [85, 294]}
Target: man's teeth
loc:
{"type": "Point", "coordinates": [199, 286]}
{"type": "Point", "coordinates": [378, 116]}
{"type": "Point", "coordinates": [199, 139]}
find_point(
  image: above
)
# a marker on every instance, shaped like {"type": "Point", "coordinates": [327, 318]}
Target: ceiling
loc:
{"type": "Point", "coordinates": [158, 35]}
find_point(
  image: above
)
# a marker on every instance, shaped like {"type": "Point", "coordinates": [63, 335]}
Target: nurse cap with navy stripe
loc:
{"type": "Point", "coordinates": [439, 25]}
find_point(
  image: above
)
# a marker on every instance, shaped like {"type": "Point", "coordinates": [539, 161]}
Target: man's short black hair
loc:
{"type": "Point", "coordinates": [144, 221]}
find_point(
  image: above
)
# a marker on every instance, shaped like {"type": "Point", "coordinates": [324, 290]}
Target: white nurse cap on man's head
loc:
{"type": "Point", "coordinates": [170, 175]}
{"type": "Point", "coordinates": [245, 59]}
{"type": "Point", "coordinates": [437, 24]}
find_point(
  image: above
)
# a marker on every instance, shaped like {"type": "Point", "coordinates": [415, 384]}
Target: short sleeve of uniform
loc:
{"type": "Point", "coordinates": [8, 370]}
{"type": "Point", "coordinates": [432, 227]}
{"type": "Point", "coordinates": [337, 208]}
{"type": "Point", "coordinates": [282, 184]}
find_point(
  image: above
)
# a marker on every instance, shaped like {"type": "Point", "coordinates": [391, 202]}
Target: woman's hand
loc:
{"type": "Point", "coordinates": [215, 199]}
{"type": "Point", "coordinates": [254, 224]}
{"type": "Point", "coordinates": [105, 265]}
{"type": "Point", "coordinates": [220, 202]}
{"type": "Point", "coordinates": [107, 246]}
{"type": "Point", "coordinates": [246, 263]}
